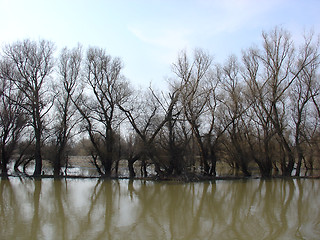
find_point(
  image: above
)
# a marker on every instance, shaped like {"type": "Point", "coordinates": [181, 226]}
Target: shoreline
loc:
{"type": "Point", "coordinates": [178, 179]}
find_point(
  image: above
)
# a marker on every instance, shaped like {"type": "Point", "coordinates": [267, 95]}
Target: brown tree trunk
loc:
{"type": "Point", "coordinates": [299, 163]}
{"type": "Point", "coordinates": [213, 163]}
{"type": "Point", "coordinates": [4, 162]}
{"type": "Point", "coordinates": [37, 155]}
{"type": "Point", "coordinates": [132, 173]}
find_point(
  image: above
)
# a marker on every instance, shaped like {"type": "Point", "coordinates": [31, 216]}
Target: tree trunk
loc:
{"type": "Point", "coordinates": [37, 130]}
{"type": "Point", "coordinates": [4, 163]}
{"type": "Point", "coordinates": [213, 163]}
{"type": "Point", "coordinates": [57, 166]}
{"type": "Point", "coordinates": [132, 173]}
{"type": "Point", "coordinates": [108, 160]}
{"type": "Point", "coordinates": [57, 163]}
{"type": "Point", "coordinates": [286, 168]}
{"type": "Point", "coordinates": [244, 168]}
{"type": "Point", "coordinates": [144, 172]}
{"type": "Point", "coordinates": [299, 163]}
{"type": "Point", "coordinates": [265, 169]}
{"type": "Point", "coordinates": [37, 155]}
{"type": "Point", "coordinates": [107, 164]}
{"type": "Point", "coordinates": [289, 167]}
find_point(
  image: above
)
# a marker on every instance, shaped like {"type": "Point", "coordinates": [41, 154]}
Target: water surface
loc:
{"type": "Point", "coordinates": [111, 209]}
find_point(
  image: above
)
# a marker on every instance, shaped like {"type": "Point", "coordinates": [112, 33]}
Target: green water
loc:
{"type": "Point", "coordinates": [93, 209]}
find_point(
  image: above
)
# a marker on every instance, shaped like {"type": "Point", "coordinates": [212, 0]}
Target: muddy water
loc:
{"type": "Point", "coordinates": [93, 209]}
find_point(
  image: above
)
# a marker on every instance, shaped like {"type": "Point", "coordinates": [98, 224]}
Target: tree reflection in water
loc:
{"type": "Point", "coordinates": [124, 209]}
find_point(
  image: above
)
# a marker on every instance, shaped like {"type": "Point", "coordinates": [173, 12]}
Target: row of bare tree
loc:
{"type": "Point", "coordinates": [261, 111]}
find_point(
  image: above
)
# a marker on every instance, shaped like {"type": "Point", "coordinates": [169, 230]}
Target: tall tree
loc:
{"type": "Point", "coordinates": [271, 73]}
{"type": "Point", "coordinates": [12, 118]}
{"type": "Point", "coordinates": [69, 70]}
{"type": "Point", "coordinates": [148, 116]}
{"type": "Point", "coordinates": [261, 133]}
{"type": "Point", "coordinates": [106, 88]}
{"type": "Point", "coordinates": [193, 75]}
{"type": "Point", "coordinates": [235, 107]}
{"type": "Point", "coordinates": [304, 89]}
{"type": "Point", "coordinates": [32, 64]}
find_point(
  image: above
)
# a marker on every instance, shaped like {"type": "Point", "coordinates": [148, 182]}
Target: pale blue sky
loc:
{"type": "Point", "coordinates": [148, 34]}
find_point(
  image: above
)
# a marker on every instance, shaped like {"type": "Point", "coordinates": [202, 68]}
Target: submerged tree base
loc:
{"type": "Point", "coordinates": [184, 178]}
{"type": "Point", "coordinates": [82, 168]}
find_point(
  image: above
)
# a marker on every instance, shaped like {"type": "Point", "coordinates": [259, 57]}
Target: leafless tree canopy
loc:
{"type": "Point", "coordinates": [254, 113]}
{"type": "Point", "coordinates": [31, 64]}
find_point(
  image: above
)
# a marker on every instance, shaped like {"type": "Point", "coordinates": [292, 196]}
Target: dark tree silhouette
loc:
{"type": "Point", "coordinates": [32, 64]}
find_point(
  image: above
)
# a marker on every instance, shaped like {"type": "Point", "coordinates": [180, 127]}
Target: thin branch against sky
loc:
{"type": "Point", "coordinates": [148, 35]}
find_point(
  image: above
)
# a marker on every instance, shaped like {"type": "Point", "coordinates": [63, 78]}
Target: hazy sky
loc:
{"type": "Point", "coordinates": [148, 34]}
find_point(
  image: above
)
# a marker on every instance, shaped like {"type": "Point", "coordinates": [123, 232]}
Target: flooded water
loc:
{"type": "Point", "coordinates": [110, 209]}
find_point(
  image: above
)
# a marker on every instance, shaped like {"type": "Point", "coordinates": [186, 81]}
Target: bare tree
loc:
{"type": "Point", "coordinates": [171, 141]}
{"type": "Point", "coordinates": [235, 106]}
{"type": "Point", "coordinates": [12, 118]}
{"type": "Point", "coordinates": [32, 64]}
{"type": "Point", "coordinates": [260, 133]}
{"type": "Point", "coordinates": [69, 67]}
{"type": "Point", "coordinates": [147, 117]}
{"type": "Point", "coordinates": [277, 59]}
{"type": "Point", "coordinates": [106, 88]}
{"type": "Point", "coordinates": [194, 96]}
{"type": "Point", "coordinates": [270, 75]}
{"type": "Point", "coordinates": [303, 91]}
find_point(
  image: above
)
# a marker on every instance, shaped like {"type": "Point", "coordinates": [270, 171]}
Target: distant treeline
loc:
{"type": "Point", "coordinates": [261, 110]}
